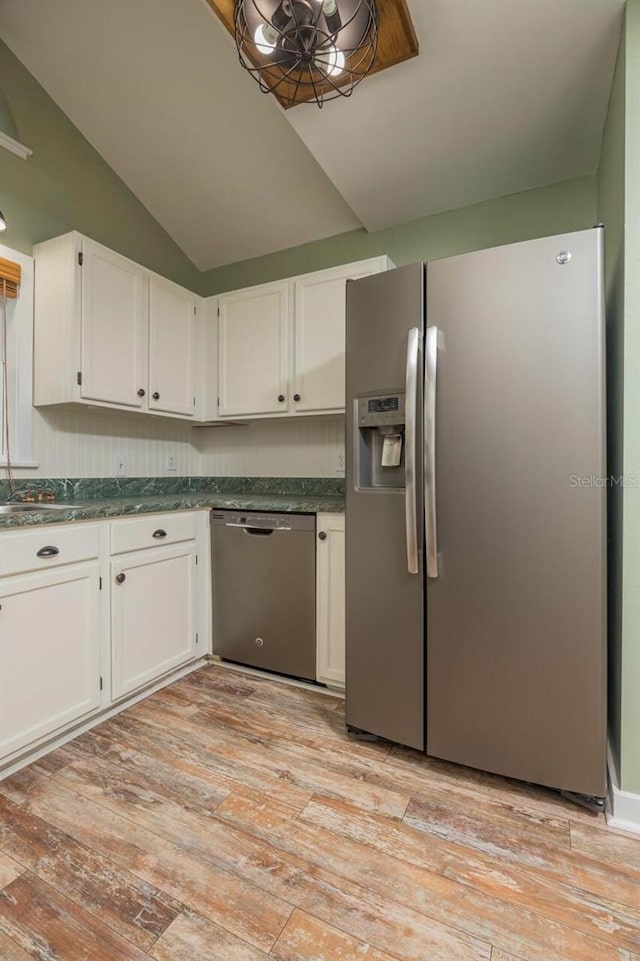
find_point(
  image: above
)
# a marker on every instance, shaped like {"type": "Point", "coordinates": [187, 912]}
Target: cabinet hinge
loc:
{"type": "Point", "coordinates": [196, 560]}
{"type": "Point", "coordinates": [196, 640]}
{"type": "Point", "coordinates": [79, 378]}
{"type": "Point", "coordinates": [218, 311]}
{"type": "Point", "coordinates": [194, 310]}
{"type": "Point", "coordinates": [194, 402]}
{"type": "Point", "coordinates": [80, 258]}
{"type": "Point", "coordinates": [101, 683]}
{"type": "Point", "coordinates": [100, 583]}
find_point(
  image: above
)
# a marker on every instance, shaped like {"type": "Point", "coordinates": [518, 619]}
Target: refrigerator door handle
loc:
{"type": "Point", "coordinates": [431, 527]}
{"type": "Point", "coordinates": [410, 460]}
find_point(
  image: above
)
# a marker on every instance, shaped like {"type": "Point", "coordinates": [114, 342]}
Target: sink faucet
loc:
{"type": "Point", "coordinates": [35, 496]}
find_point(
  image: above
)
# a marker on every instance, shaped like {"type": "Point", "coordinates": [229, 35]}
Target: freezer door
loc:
{"type": "Point", "coordinates": [516, 614]}
{"type": "Point", "coordinates": [384, 528]}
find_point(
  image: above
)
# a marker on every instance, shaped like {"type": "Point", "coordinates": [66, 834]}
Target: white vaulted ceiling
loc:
{"type": "Point", "coordinates": [506, 95]}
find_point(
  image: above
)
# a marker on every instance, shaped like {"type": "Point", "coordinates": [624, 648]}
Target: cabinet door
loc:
{"type": "Point", "coordinates": [171, 348]}
{"type": "Point", "coordinates": [49, 653]}
{"type": "Point", "coordinates": [253, 350]}
{"type": "Point", "coordinates": [113, 328]}
{"type": "Point", "coordinates": [330, 600]}
{"type": "Point", "coordinates": [320, 302]}
{"type": "Point", "coordinates": [153, 615]}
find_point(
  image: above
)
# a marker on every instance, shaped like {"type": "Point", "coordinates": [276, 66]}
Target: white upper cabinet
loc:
{"type": "Point", "coordinates": [110, 333]}
{"type": "Point", "coordinates": [254, 350]}
{"type": "Point", "coordinates": [320, 314]}
{"type": "Point", "coordinates": [171, 348]}
{"type": "Point", "coordinates": [281, 346]}
{"type": "Point", "coordinates": [113, 328]}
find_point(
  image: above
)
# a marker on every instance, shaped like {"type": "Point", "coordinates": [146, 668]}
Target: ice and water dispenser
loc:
{"type": "Point", "coordinates": [380, 424]}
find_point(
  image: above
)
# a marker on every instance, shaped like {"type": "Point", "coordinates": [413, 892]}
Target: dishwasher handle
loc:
{"type": "Point", "coordinates": [264, 531]}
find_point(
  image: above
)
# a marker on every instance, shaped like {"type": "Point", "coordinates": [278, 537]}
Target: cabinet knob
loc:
{"type": "Point", "coordinates": [159, 534]}
{"type": "Point", "coordinates": [156, 395]}
{"type": "Point", "coordinates": [322, 536]}
{"type": "Point", "coordinates": [121, 578]}
{"type": "Point", "coordinates": [297, 397]}
{"type": "Point", "coordinates": [281, 398]}
{"type": "Point", "coordinates": [141, 392]}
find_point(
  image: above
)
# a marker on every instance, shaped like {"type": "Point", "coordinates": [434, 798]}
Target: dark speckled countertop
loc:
{"type": "Point", "coordinates": [98, 498]}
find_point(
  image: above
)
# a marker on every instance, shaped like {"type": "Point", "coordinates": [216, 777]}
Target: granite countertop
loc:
{"type": "Point", "coordinates": [125, 502]}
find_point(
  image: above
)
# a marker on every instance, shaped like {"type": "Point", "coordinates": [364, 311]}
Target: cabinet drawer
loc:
{"type": "Point", "coordinates": [152, 531]}
{"type": "Point", "coordinates": [47, 547]}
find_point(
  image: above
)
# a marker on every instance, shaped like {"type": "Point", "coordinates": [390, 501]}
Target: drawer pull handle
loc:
{"type": "Point", "coordinates": [159, 534]}
{"type": "Point", "coordinates": [121, 578]}
{"type": "Point", "coordinates": [48, 552]}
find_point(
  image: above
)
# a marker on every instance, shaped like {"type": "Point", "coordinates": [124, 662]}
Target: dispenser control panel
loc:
{"type": "Point", "coordinates": [382, 405]}
{"type": "Point", "coordinates": [385, 410]}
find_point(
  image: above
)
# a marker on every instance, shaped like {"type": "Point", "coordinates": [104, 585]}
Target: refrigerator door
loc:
{"type": "Point", "coordinates": [384, 506]}
{"type": "Point", "coordinates": [516, 616]}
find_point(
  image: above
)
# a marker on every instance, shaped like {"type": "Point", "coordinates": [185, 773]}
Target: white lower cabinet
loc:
{"type": "Point", "coordinates": [49, 652]}
{"type": "Point", "coordinates": [330, 600]}
{"type": "Point", "coordinates": [91, 614]}
{"type": "Point", "coordinates": [153, 615]}
{"type": "Point", "coordinates": [125, 599]}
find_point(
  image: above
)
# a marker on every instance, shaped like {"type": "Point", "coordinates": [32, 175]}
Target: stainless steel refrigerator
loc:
{"type": "Point", "coordinates": [476, 510]}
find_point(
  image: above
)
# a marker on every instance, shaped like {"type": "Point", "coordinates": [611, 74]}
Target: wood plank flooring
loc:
{"type": "Point", "coordinates": [230, 818]}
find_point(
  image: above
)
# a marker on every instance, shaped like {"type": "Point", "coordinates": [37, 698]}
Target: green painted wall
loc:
{"type": "Point", "coordinates": [66, 185]}
{"type": "Point", "coordinates": [611, 197]}
{"type": "Point", "coordinates": [630, 644]}
{"type": "Point", "coordinates": [535, 213]}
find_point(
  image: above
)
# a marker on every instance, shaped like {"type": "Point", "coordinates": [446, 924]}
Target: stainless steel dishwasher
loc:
{"type": "Point", "coordinates": [264, 590]}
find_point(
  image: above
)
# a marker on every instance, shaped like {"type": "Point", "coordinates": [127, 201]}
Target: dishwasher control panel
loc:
{"type": "Point", "coordinates": [263, 520]}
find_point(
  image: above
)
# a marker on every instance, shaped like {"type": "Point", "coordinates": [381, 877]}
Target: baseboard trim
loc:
{"type": "Point", "coordinates": [623, 807]}
{"type": "Point", "coordinates": [278, 678]}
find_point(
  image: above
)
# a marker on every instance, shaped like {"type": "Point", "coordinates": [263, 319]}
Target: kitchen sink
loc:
{"type": "Point", "coordinates": [15, 507]}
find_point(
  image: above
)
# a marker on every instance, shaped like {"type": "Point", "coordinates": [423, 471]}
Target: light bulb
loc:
{"type": "Point", "coordinates": [265, 39]}
{"type": "Point", "coordinates": [332, 16]}
{"type": "Point", "coordinates": [333, 61]}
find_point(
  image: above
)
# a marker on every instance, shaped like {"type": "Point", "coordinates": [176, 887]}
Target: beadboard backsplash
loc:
{"type": "Point", "coordinates": [91, 443]}
{"type": "Point", "coordinates": [303, 447]}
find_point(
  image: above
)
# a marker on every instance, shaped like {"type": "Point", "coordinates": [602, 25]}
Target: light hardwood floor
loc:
{"type": "Point", "coordinates": [229, 818]}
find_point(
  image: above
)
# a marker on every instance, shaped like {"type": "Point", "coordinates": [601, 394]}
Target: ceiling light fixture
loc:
{"type": "Point", "coordinates": [304, 50]}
